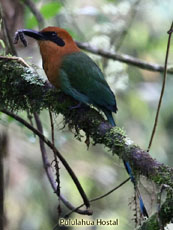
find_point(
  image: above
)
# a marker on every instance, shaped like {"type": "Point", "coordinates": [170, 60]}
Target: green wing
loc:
{"type": "Point", "coordinates": [82, 79]}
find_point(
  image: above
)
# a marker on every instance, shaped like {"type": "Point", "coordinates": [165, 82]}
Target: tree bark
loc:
{"type": "Point", "coordinates": [21, 88]}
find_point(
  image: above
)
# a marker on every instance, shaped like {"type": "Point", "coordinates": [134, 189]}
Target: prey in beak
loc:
{"type": "Point", "coordinates": [38, 35]}
{"type": "Point", "coordinates": [20, 35]}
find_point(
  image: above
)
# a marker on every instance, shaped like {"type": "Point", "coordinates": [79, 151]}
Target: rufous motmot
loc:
{"type": "Point", "coordinates": [76, 74]}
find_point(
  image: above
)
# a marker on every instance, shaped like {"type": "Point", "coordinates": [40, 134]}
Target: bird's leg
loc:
{"type": "Point", "coordinates": [79, 105]}
{"type": "Point", "coordinates": [48, 85]}
{"type": "Point", "coordinates": [76, 106]}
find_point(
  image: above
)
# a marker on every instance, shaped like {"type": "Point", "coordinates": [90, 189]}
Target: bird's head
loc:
{"type": "Point", "coordinates": [51, 39]}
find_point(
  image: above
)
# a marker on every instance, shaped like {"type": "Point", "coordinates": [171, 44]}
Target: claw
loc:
{"type": "Point", "coordinates": [76, 106]}
{"type": "Point", "coordinates": [79, 105]}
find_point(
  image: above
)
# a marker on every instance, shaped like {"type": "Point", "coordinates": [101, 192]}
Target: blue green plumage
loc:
{"type": "Point", "coordinates": [82, 79]}
{"type": "Point", "coordinates": [76, 75]}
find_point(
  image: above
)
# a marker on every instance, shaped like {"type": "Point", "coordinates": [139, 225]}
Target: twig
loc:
{"type": "Point", "coordinates": [72, 20]}
{"type": "Point", "coordinates": [98, 198]}
{"type": "Point", "coordinates": [58, 154]}
{"type": "Point", "coordinates": [35, 12]}
{"type": "Point", "coordinates": [48, 170]}
{"type": "Point", "coordinates": [29, 116]}
{"type": "Point", "coordinates": [123, 58]}
{"type": "Point", "coordinates": [163, 88]}
{"type": "Point", "coordinates": [52, 127]}
{"type": "Point", "coordinates": [46, 162]}
{"type": "Point", "coordinates": [8, 40]}
{"type": "Point", "coordinates": [111, 191]}
{"type": "Point", "coordinates": [118, 40]}
{"type": "Point", "coordinates": [56, 161]}
{"type": "Point", "coordinates": [3, 154]}
{"type": "Point", "coordinates": [159, 200]}
{"type": "Point", "coordinates": [3, 145]}
{"type": "Point", "coordinates": [1, 191]}
{"type": "Point", "coordinates": [19, 59]}
{"type": "Point", "coordinates": [129, 23]}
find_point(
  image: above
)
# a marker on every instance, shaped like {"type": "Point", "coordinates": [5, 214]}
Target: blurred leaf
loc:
{"type": "Point", "coordinates": [50, 10]}
{"type": "Point", "coordinates": [2, 45]}
{"type": "Point", "coordinates": [31, 22]}
{"type": "Point", "coordinates": [10, 119]}
{"type": "Point", "coordinates": [4, 119]}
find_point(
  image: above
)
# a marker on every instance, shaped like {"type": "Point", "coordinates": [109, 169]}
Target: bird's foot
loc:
{"type": "Point", "coordinates": [76, 106]}
{"type": "Point", "coordinates": [80, 105]}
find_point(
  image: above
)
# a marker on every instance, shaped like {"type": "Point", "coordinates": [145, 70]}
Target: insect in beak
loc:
{"type": "Point", "coordinates": [19, 35]}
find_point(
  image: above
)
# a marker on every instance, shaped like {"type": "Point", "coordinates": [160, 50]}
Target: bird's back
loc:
{"type": "Point", "coordinates": [86, 77]}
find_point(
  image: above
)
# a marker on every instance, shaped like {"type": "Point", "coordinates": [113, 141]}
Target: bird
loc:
{"type": "Point", "coordinates": [76, 74]}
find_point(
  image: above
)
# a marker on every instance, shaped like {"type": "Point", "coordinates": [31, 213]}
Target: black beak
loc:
{"type": "Point", "coordinates": [19, 35]}
{"type": "Point", "coordinates": [31, 33]}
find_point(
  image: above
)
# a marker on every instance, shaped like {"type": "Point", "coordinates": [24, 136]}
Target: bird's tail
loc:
{"type": "Point", "coordinates": [109, 116]}
{"type": "Point", "coordinates": [141, 203]}
{"type": "Point", "coordinates": [128, 168]}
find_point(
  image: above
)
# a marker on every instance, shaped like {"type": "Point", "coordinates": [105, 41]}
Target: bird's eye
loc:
{"type": "Point", "coordinates": [53, 34]}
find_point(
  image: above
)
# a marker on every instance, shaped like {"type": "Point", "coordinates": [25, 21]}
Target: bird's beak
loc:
{"type": "Point", "coordinates": [31, 33]}
{"type": "Point", "coordinates": [38, 35]}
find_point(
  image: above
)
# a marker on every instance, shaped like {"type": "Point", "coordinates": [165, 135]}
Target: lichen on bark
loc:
{"type": "Point", "coordinates": [22, 89]}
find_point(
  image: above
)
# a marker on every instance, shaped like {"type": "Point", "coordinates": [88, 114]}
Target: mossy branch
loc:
{"type": "Point", "coordinates": [21, 88]}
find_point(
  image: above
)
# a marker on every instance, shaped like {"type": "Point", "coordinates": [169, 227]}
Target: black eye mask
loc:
{"type": "Point", "coordinates": [52, 36]}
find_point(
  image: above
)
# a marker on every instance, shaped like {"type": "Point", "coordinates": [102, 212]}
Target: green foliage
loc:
{"type": "Point", "coordinates": [48, 11]}
{"type": "Point", "coordinates": [31, 22]}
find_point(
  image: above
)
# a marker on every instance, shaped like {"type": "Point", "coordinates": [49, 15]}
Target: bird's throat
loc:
{"type": "Point", "coordinates": [52, 56]}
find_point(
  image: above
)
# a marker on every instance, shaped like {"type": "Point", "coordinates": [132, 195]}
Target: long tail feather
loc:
{"type": "Point", "coordinates": [128, 168]}
{"type": "Point", "coordinates": [141, 203]}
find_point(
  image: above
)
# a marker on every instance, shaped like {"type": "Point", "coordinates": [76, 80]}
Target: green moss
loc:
{"type": "Point", "coordinates": [150, 224]}
{"type": "Point", "coordinates": [15, 80]}
{"type": "Point", "coordinates": [163, 175]}
{"type": "Point", "coordinates": [22, 89]}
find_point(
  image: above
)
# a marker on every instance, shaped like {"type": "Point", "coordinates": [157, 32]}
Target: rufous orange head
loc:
{"type": "Point", "coordinates": [54, 43]}
{"type": "Point", "coordinates": [57, 40]}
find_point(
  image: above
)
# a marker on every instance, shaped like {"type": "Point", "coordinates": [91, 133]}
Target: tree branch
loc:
{"type": "Point", "coordinates": [21, 88]}
{"type": "Point", "coordinates": [123, 58]}
{"type": "Point", "coordinates": [8, 41]}
{"type": "Point", "coordinates": [57, 168]}
{"type": "Point", "coordinates": [129, 21]}
{"type": "Point", "coordinates": [3, 152]}
{"type": "Point", "coordinates": [99, 197]}
{"type": "Point", "coordinates": [35, 12]}
{"type": "Point", "coordinates": [48, 170]}
{"type": "Point", "coordinates": [163, 88]}
{"type": "Point", "coordinates": [62, 159]}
